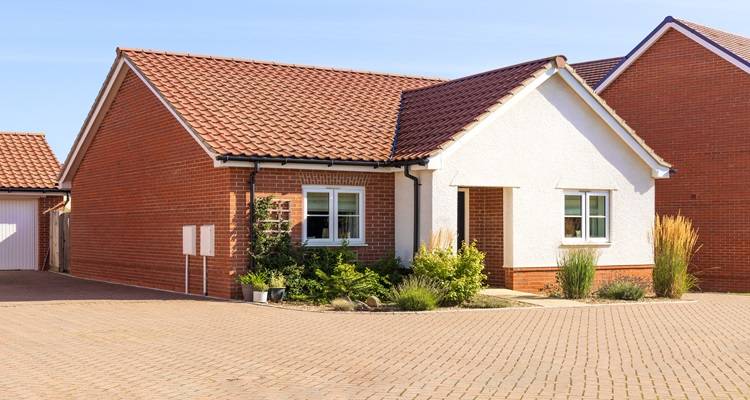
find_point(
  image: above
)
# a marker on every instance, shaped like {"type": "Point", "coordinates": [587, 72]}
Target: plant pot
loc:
{"type": "Point", "coordinates": [260, 297]}
{"type": "Point", "coordinates": [247, 292]}
{"type": "Point", "coordinates": [276, 294]}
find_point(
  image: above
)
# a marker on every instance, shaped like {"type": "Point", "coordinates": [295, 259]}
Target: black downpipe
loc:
{"type": "Point", "coordinates": [408, 174]}
{"type": "Point", "coordinates": [251, 219]}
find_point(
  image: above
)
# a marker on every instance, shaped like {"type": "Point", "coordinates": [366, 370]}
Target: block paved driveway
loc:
{"type": "Point", "coordinates": [66, 338]}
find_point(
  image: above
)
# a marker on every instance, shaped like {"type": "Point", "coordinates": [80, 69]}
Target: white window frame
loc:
{"type": "Point", "coordinates": [333, 226]}
{"type": "Point", "coordinates": [585, 215]}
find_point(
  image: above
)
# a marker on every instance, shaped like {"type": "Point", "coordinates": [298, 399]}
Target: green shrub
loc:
{"type": "Point", "coordinates": [391, 270]}
{"type": "Point", "coordinates": [459, 273]}
{"type": "Point", "coordinates": [576, 274]}
{"type": "Point", "coordinates": [623, 288]}
{"type": "Point", "coordinates": [342, 304]}
{"type": "Point", "coordinates": [346, 281]}
{"type": "Point", "coordinates": [675, 244]}
{"type": "Point", "coordinates": [244, 279]}
{"type": "Point", "coordinates": [417, 293]}
{"type": "Point", "coordinates": [258, 281]}
{"type": "Point", "coordinates": [276, 280]}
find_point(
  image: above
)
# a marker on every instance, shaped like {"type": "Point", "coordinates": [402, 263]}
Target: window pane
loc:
{"type": "Point", "coordinates": [348, 203]}
{"type": "Point", "coordinates": [573, 204]}
{"type": "Point", "coordinates": [348, 227]}
{"type": "Point", "coordinates": [597, 205]}
{"type": "Point", "coordinates": [317, 227]}
{"type": "Point", "coordinates": [598, 228]}
{"type": "Point", "coordinates": [573, 227]}
{"type": "Point", "coordinates": [317, 204]}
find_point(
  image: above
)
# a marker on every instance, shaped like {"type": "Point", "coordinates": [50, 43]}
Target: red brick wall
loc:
{"type": "Point", "coordinates": [486, 227]}
{"type": "Point", "coordinates": [533, 280]}
{"type": "Point", "coordinates": [143, 177]}
{"type": "Point", "coordinates": [45, 203]}
{"type": "Point", "coordinates": [379, 202]}
{"type": "Point", "coordinates": [693, 108]}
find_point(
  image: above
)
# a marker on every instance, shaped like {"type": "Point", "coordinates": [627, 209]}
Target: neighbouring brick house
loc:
{"type": "Point", "coordinates": [28, 190]}
{"type": "Point", "coordinates": [526, 160]}
{"type": "Point", "coordinates": [686, 90]}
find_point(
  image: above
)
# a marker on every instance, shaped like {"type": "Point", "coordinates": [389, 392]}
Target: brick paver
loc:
{"type": "Point", "coordinates": [173, 347]}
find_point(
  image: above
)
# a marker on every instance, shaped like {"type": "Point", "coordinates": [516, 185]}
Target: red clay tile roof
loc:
{"type": "Point", "coordinates": [242, 107]}
{"type": "Point", "coordinates": [433, 116]}
{"type": "Point", "coordinates": [27, 162]}
{"type": "Point", "coordinates": [594, 71]}
{"type": "Point", "coordinates": [736, 44]}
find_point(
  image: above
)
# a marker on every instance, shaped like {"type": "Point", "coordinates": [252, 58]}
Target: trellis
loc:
{"type": "Point", "coordinates": [279, 215]}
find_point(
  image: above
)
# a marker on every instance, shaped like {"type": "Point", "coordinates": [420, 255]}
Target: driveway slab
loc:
{"type": "Point", "coordinates": [151, 345]}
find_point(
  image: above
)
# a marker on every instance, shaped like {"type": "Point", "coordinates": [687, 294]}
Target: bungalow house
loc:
{"type": "Point", "coordinates": [526, 160]}
{"type": "Point", "coordinates": [28, 189]}
{"type": "Point", "coordinates": [685, 88]}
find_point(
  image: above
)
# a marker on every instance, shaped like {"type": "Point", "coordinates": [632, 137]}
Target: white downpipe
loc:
{"type": "Point", "coordinates": [187, 268]}
{"type": "Point", "coordinates": [205, 277]}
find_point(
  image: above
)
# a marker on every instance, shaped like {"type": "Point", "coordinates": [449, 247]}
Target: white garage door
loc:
{"type": "Point", "coordinates": [18, 233]}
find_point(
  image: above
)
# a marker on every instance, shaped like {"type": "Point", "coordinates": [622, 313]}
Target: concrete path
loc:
{"type": "Point", "coordinates": [531, 298]}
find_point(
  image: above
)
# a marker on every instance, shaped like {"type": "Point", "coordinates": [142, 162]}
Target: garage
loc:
{"type": "Point", "coordinates": [18, 233]}
{"type": "Point", "coordinates": [28, 193]}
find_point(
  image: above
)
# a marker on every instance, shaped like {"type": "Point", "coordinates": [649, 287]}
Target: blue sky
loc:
{"type": "Point", "coordinates": [54, 56]}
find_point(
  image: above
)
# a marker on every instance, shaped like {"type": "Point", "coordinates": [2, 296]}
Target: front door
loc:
{"type": "Point", "coordinates": [461, 218]}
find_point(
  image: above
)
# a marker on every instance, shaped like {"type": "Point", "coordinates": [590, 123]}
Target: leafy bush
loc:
{"type": "Point", "coordinates": [346, 281]}
{"type": "Point", "coordinates": [417, 293]}
{"type": "Point", "coordinates": [675, 244]}
{"type": "Point", "coordinates": [342, 304]}
{"type": "Point", "coordinates": [459, 273]}
{"type": "Point", "coordinates": [623, 288]}
{"type": "Point", "coordinates": [576, 274]}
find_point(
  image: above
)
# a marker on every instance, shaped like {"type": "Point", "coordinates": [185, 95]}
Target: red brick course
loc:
{"type": "Point", "coordinates": [693, 108]}
{"type": "Point", "coordinates": [486, 227]}
{"type": "Point", "coordinates": [533, 280]}
{"type": "Point", "coordinates": [143, 177]}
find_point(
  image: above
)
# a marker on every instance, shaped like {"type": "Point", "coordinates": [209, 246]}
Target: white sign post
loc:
{"type": "Point", "coordinates": [207, 250]}
{"type": "Point", "coordinates": [188, 249]}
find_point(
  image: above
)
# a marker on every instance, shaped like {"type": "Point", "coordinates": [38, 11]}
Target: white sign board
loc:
{"type": "Point", "coordinates": [207, 240]}
{"type": "Point", "coordinates": [188, 240]}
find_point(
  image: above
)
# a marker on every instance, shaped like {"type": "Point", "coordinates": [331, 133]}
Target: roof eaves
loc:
{"type": "Point", "coordinates": [90, 114]}
{"type": "Point", "coordinates": [670, 20]}
{"type": "Point", "coordinates": [619, 119]}
{"type": "Point", "coordinates": [728, 52]}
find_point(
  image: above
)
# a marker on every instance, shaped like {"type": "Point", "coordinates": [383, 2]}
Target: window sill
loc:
{"type": "Point", "coordinates": [335, 244]}
{"type": "Point", "coordinates": [585, 244]}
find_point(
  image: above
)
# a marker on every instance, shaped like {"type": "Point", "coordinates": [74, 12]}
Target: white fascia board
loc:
{"type": "Point", "coordinates": [21, 193]}
{"type": "Point", "coordinates": [83, 139]}
{"type": "Point", "coordinates": [655, 37]}
{"type": "Point", "coordinates": [436, 162]}
{"type": "Point", "coordinates": [309, 167]}
{"type": "Point", "coordinates": [657, 170]}
{"type": "Point", "coordinates": [64, 183]}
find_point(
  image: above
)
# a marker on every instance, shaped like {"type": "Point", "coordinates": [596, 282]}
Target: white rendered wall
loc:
{"type": "Point", "coordinates": [547, 142]}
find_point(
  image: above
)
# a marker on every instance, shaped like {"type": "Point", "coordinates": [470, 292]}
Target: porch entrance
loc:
{"type": "Point", "coordinates": [479, 219]}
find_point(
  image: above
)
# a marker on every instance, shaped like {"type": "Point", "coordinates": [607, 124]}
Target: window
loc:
{"type": "Point", "coordinates": [332, 215]}
{"type": "Point", "coordinates": [586, 216]}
